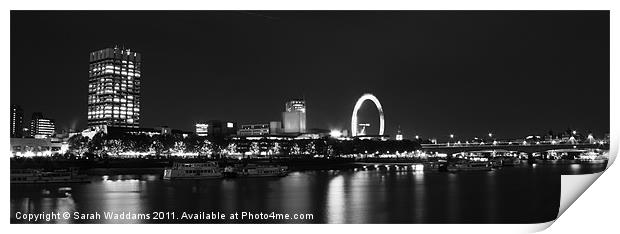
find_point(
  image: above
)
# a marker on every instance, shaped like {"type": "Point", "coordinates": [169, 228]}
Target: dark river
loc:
{"type": "Point", "coordinates": [528, 194]}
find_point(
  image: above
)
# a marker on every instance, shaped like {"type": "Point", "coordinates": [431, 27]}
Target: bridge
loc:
{"type": "Point", "coordinates": [454, 148]}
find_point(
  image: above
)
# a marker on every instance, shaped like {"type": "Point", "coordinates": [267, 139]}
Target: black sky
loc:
{"type": "Point", "coordinates": [435, 72]}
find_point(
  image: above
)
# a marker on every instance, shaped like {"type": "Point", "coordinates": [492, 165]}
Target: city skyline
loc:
{"type": "Point", "coordinates": [258, 73]}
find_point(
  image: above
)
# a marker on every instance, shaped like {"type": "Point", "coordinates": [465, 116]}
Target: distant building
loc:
{"type": "Point", "coordinates": [202, 129]}
{"type": "Point", "coordinates": [114, 88]}
{"type": "Point", "coordinates": [314, 133]}
{"type": "Point", "coordinates": [294, 116]}
{"type": "Point", "coordinates": [399, 135]}
{"type": "Point", "coordinates": [41, 127]}
{"type": "Point", "coordinates": [31, 147]}
{"type": "Point", "coordinates": [165, 130]}
{"type": "Point", "coordinates": [275, 127]}
{"type": "Point", "coordinates": [216, 128]}
{"type": "Point", "coordinates": [17, 121]}
{"type": "Point", "coordinates": [261, 129]}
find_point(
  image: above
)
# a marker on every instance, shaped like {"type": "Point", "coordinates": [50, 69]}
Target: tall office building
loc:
{"type": "Point", "coordinates": [17, 121]}
{"type": "Point", "coordinates": [41, 127]}
{"type": "Point", "coordinates": [294, 116]}
{"type": "Point", "coordinates": [114, 88]}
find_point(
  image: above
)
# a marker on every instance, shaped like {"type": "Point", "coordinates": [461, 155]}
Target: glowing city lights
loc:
{"type": "Point", "coordinates": [335, 133]}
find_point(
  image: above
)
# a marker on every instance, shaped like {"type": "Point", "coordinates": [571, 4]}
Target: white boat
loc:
{"type": "Point", "coordinates": [253, 170]}
{"type": "Point", "coordinates": [203, 170]}
{"type": "Point", "coordinates": [469, 166]}
{"type": "Point", "coordinates": [34, 176]}
{"type": "Point", "coordinates": [591, 156]}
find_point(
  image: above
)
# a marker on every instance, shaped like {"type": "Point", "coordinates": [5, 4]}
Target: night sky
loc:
{"type": "Point", "coordinates": [435, 73]}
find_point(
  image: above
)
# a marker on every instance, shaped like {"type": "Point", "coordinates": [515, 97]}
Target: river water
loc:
{"type": "Point", "coordinates": [528, 194]}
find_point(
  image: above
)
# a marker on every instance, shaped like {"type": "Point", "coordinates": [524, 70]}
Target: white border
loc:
{"type": "Point", "coordinates": [584, 217]}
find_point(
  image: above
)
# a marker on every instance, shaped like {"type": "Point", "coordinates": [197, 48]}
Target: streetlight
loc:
{"type": "Point", "coordinates": [417, 137]}
{"type": "Point", "coordinates": [490, 134]}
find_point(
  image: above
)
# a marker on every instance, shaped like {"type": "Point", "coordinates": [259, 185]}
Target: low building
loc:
{"type": "Point", "coordinates": [216, 128]}
{"type": "Point", "coordinates": [275, 127]}
{"type": "Point", "coordinates": [34, 147]}
{"type": "Point", "coordinates": [260, 129]}
{"type": "Point", "coordinates": [41, 127]}
{"type": "Point", "coordinates": [314, 133]}
{"type": "Point", "coordinates": [202, 129]}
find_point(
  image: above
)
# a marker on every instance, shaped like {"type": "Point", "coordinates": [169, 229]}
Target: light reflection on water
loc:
{"type": "Point", "coordinates": [335, 200]}
{"type": "Point", "coordinates": [420, 193]}
{"type": "Point", "coordinates": [334, 196]}
{"type": "Point", "coordinates": [359, 198]}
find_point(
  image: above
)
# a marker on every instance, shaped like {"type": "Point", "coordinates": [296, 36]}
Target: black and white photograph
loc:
{"type": "Point", "coordinates": [304, 116]}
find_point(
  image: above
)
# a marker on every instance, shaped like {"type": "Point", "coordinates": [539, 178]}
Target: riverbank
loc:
{"type": "Point", "coordinates": [156, 166]}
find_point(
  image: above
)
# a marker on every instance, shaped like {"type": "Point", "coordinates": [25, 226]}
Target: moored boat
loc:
{"type": "Point", "coordinates": [469, 166]}
{"type": "Point", "coordinates": [254, 170]}
{"type": "Point", "coordinates": [202, 170]}
{"type": "Point", "coordinates": [505, 161]}
{"type": "Point", "coordinates": [440, 165]}
{"type": "Point", "coordinates": [36, 176]}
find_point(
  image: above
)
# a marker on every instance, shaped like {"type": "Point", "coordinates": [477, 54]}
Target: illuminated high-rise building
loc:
{"type": "Point", "coordinates": [17, 121]}
{"type": "Point", "coordinates": [294, 116]}
{"type": "Point", "coordinates": [114, 88]}
{"type": "Point", "coordinates": [41, 127]}
{"type": "Point", "coordinates": [296, 105]}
